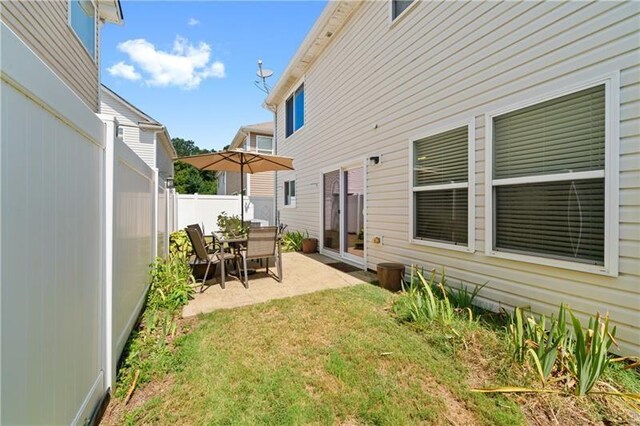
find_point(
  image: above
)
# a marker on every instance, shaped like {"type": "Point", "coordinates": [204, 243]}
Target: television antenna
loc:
{"type": "Point", "coordinates": [263, 74]}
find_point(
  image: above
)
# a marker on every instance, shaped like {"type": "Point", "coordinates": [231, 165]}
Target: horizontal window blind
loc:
{"type": "Point", "coordinates": [442, 215]}
{"type": "Point", "coordinates": [562, 135]}
{"type": "Point", "coordinates": [559, 219]}
{"type": "Point", "coordinates": [442, 158]}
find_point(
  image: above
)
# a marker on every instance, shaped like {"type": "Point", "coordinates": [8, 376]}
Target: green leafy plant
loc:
{"type": "Point", "coordinates": [427, 300]}
{"type": "Point", "coordinates": [591, 355]}
{"type": "Point", "coordinates": [462, 297]}
{"type": "Point", "coordinates": [179, 244]}
{"type": "Point", "coordinates": [231, 225]}
{"type": "Point", "coordinates": [292, 240]}
{"type": "Point", "coordinates": [148, 351]}
{"type": "Point", "coordinates": [171, 284]}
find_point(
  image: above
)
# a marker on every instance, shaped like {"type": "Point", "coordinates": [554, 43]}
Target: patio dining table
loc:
{"type": "Point", "coordinates": [235, 242]}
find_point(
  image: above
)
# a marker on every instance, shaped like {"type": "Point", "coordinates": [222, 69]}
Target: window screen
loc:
{"type": "Point", "coordinates": [440, 187]}
{"type": "Point", "coordinates": [561, 215]}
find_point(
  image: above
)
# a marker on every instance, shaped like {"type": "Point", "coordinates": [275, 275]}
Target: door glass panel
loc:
{"type": "Point", "coordinates": [353, 211]}
{"type": "Point", "coordinates": [331, 210]}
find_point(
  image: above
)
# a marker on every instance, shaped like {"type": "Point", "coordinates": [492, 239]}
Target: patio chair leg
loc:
{"type": "Point", "coordinates": [279, 260]}
{"type": "Point", "coordinates": [204, 279]}
{"type": "Point", "coordinates": [246, 274]}
{"type": "Point", "coordinates": [222, 271]}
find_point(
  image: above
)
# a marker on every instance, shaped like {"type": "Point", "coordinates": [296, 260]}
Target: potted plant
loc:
{"type": "Point", "coordinates": [309, 245]}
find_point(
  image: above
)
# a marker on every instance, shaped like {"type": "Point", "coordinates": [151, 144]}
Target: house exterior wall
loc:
{"type": "Point", "coordinates": [233, 183]}
{"type": "Point", "coordinates": [378, 83]}
{"type": "Point", "coordinates": [43, 26]}
{"type": "Point", "coordinates": [260, 184]}
{"type": "Point", "coordinates": [164, 162]}
{"type": "Point", "coordinates": [140, 141]}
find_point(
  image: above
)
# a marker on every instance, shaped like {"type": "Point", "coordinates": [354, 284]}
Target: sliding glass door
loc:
{"type": "Point", "coordinates": [343, 212]}
{"type": "Point", "coordinates": [331, 211]}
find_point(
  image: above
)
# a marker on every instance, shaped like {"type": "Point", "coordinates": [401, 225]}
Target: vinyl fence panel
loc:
{"type": "Point", "coordinates": [51, 239]}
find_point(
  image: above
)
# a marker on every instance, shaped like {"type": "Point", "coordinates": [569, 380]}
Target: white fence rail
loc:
{"type": "Point", "coordinates": [204, 209]}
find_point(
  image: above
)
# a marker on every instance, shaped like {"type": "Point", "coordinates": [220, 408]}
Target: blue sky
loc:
{"type": "Point", "coordinates": [191, 65]}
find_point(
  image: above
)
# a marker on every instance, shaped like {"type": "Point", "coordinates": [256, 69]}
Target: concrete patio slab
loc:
{"type": "Point", "coordinates": [302, 274]}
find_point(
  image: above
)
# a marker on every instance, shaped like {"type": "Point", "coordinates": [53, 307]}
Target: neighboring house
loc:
{"type": "Point", "coordinates": [145, 136]}
{"type": "Point", "coordinates": [499, 140]}
{"type": "Point", "coordinates": [66, 36]}
{"type": "Point", "coordinates": [253, 137]}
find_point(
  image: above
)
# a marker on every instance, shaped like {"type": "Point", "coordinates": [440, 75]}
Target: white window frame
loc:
{"type": "Point", "coordinates": [292, 94]}
{"type": "Point", "coordinates": [610, 174]}
{"type": "Point", "coordinates": [264, 151]}
{"type": "Point", "coordinates": [292, 204]}
{"type": "Point", "coordinates": [94, 56]}
{"type": "Point", "coordinates": [470, 185]}
{"type": "Point", "coordinates": [393, 21]}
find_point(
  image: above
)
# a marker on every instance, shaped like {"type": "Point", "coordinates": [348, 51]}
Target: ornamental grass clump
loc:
{"type": "Point", "coordinates": [292, 240]}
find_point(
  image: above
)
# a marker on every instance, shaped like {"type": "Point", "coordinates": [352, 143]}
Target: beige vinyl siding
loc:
{"type": "Point", "coordinates": [140, 141]}
{"type": "Point", "coordinates": [261, 184]}
{"type": "Point", "coordinates": [233, 183]}
{"type": "Point", "coordinates": [376, 85]}
{"type": "Point", "coordinates": [43, 26]}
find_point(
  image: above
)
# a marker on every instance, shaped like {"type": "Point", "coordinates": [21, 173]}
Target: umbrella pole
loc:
{"type": "Point", "coordinates": [241, 191]}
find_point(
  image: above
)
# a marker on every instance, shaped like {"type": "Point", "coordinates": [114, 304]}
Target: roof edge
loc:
{"type": "Point", "coordinates": [319, 34]}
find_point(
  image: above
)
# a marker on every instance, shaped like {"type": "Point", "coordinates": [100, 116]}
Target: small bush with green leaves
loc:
{"type": "Point", "coordinates": [179, 244]}
{"type": "Point", "coordinates": [231, 225]}
{"type": "Point", "coordinates": [147, 350]}
{"type": "Point", "coordinates": [292, 241]}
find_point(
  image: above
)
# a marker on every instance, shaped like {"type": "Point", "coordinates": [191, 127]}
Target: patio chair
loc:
{"type": "Point", "coordinates": [262, 243]}
{"type": "Point", "coordinates": [202, 257]}
{"type": "Point", "coordinates": [210, 246]}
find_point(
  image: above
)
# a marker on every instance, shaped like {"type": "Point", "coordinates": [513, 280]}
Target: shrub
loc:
{"type": "Point", "coordinates": [179, 244]}
{"type": "Point", "coordinates": [292, 241]}
{"type": "Point", "coordinates": [231, 224]}
{"type": "Point", "coordinates": [148, 351]}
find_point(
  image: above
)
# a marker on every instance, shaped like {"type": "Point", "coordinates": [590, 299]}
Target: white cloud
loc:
{"type": "Point", "coordinates": [193, 22]}
{"type": "Point", "coordinates": [185, 66]}
{"type": "Point", "coordinates": [125, 71]}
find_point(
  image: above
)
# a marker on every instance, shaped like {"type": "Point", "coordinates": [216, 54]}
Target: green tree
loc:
{"type": "Point", "coordinates": [188, 179]}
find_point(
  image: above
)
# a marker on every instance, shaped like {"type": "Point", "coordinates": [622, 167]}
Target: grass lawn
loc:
{"type": "Point", "coordinates": [335, 357]}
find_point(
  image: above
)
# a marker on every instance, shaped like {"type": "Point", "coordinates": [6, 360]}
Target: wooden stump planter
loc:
{"type": "Point", "coordinates": [390, 276]}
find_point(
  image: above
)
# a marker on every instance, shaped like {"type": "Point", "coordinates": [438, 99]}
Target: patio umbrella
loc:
{"type": "Point", "coordinates": [239, 161]}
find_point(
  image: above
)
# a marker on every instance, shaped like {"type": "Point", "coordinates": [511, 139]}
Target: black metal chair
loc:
{"type": "Point", "coordinates": [203, 257]}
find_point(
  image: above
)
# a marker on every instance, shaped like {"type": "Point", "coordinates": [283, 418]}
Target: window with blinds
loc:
{"type": "Point", "coordinates": [549, 178]}
{"type": "Point", "coordinates": [441, 187]}
{"type": "Point", "coordinates": [399, 6]}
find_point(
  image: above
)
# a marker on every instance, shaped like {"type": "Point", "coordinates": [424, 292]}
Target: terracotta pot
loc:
{"type": "Point", "coordinates": [309, 245]}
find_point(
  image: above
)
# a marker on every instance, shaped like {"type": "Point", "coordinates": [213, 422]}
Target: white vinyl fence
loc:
{"type": "Point", "coordinates": [52, 315]}
{"type": "Point", "coordinates": [81, 219]}
{"type": "Point", "coordinates": [204, 209]}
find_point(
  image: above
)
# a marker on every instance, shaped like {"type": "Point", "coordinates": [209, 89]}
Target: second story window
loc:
{"type": "Point", "coordinates": [264, 144]}
{"type": "Point", "coordinates": [82, 19]}
{"type": "Point", "coordinates": [295, 111]}
{"type": "Point", "coordinates": [399, 6]}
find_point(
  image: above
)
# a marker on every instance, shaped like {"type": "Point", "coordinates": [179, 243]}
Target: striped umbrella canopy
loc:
{"type": "Point", "coordinates": [240, 161]}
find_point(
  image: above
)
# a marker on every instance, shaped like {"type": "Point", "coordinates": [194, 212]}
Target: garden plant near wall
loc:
{"type": "Point", "coordinates": [566, 358]}
{"type": "Point", "coordinates": [149, 350]}
{"type": "Point", "coordinates": [292, 241]}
